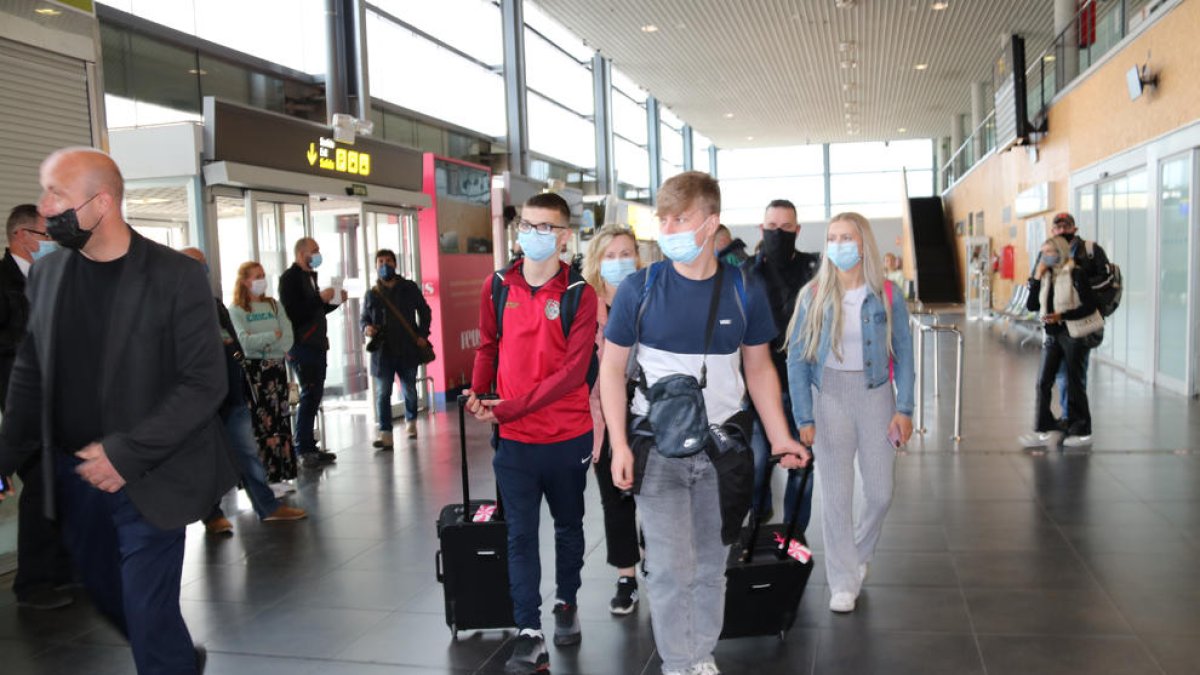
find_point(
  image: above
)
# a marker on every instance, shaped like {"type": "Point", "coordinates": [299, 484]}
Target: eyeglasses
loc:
{"type": "Point", "coordinates": [542, 228]}
{"type": "Point", "coordinates": [43, 235]}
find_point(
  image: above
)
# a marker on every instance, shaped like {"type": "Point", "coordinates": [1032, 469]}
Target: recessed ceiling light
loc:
{"type": "Point", "coordinates": [902, 130]}
{"type": "Point", "coordinates": [749, 138]}
{"type": "Point", "coordinates": [729, 116]}
{"type": "Point", "coordinates": [47, 11]}
{"type": "Point", "coordinates": [649, 28]}
{"type": "Point", "coordinates": [849, 63]}
{"type": "Point", "coordinates": [921, 66]}
{"type": "Point", "coordinates": [939, 5]}
{"type": "Point", "coordinates": [848, 86]}
{"type": "Point", "coordinates": [846, 46]}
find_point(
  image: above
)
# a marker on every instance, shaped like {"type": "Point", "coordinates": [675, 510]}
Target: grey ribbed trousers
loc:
{"type": "Point", "coordinates": [852, 421]}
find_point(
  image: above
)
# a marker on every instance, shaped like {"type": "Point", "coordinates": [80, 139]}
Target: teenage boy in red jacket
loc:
{"type": "Point", "coordinates": [545, 446]}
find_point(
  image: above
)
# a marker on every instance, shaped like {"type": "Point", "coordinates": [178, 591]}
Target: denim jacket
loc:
{"type": "Point", "coordinates": [804, 375]}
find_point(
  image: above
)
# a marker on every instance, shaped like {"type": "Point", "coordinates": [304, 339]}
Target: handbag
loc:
{"type": "Point", "coordinates": [425, 353]}
{"type": "Point", "coordinates": [677, 415]}
{"type": "Point", "coordinates": [1080, 328]}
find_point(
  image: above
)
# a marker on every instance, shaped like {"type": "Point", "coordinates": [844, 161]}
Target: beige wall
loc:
{"type": "Point", "coordinates": [1093, 121]}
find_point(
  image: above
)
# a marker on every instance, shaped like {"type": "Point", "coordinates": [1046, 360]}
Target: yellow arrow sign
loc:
{"type": "Point", "coordinates": [312, 153]}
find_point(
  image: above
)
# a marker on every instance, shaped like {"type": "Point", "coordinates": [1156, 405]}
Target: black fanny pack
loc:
{"type": "Point", "coordinates": [676, 412]}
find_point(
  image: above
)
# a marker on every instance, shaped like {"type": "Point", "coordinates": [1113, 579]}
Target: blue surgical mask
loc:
{"type": "Point", "coordinates": [44, 249]}
{"type": "Point", "coordinates": [615, 270]}
{"type": "Point", "coordinates": [844, 254]}
{"type": "Point", "coordinates": [538, 246]}
{"type": "Point", "coordinates": [1050, 260]}
{"type": "Point", "coordinates": [386, 272]}
{"type": "Point", "coordinates": [314, 261]}
{"type": "Point", "coordinates": [680, 247]}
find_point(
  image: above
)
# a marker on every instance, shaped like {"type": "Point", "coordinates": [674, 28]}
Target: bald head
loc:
{"type": "Point", "coordinates": [88, 169]}
{"type": "Point", "coordinates": [87, 182]}
{"type": "Point", "coordinates": [195, 254]}
{"type": "Point", "coordinates": [305, 249]}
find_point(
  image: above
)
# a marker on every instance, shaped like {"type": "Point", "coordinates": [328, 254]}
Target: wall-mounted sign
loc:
{"type": "Point", "coordinates": [235, 133]}
{"type": "Point", "coordinates": [357, 190]}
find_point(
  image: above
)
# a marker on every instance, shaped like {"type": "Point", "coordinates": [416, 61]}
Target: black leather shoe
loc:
{"type": "Point", "coordinates": [201, 659]}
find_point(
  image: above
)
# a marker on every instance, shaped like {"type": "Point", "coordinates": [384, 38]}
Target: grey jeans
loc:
{"type": "Point", "coordinates": [681, 520]}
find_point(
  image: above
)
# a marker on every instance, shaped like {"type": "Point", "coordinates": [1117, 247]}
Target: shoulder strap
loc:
{"type": "Point", "coordinates": [739, 283]}
{"type": "Point", "coordinates": [391, 306]}
{"type": "Point", "coordinates": [499, 297]}
{"type": "Point", "coordinates": [570, 300]}
{"type": "Point", "coordinates": [633, 370]}
{"type": "Point", "coordinates": [712, 322]}
{"type": "Point", "coordinates": [887, 288]}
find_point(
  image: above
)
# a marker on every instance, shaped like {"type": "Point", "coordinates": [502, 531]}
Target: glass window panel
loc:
{"type": "Point", "coordinates": [920, 183]}
{"type": "Point", "coordinates": [234, 246]}
{"type": "Point", "coordinates": [883, 186]}
{"type": "Point", "coordinates": [554, 74]}
{"type": "Point", "coordinates": [628, 87]}
{"type": "Point", "coordinates": [560, 133]}
{"type": "Point", "coordinates": [471, 26]}
{"type": "Point", "coordinates": [555, 32]}
{"type": "Point", "coordinates": [894, 155]}
{"type": "Point", "coordinates": [700, 146]}
{"type": "Point", "coordinates": [669, 119]}
{"type": "Point", "coordinates": [633, 163]}
{"type": "Point", "coordinates": [445, 86]}
{"type": "Point", "coordinates": [870, 209]}
{"type": "Point", "coordinates": [1175, 209]}
{"type": "Point", "coordinates": [758, 192]}
{"type": "Point", "coordinates": [753, 215]}
{"type": "Point", "coordinates": [796, 160]}
{"type": "Point", "coordinates": [629, 119]}
{"type": "Point", "coordinates": [670, 145]}
{"type": "Point", "coordinates": [1140, 280]}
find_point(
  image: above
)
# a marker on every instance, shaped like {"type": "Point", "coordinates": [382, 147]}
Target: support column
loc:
{"type": "Point", "coordinates": [712, 161]}
{"type": "Point", "coordinates": [686, 133]}
{"type": "Point", "coordinates": [942, 155]}
{"type": "Point", "coordinates": [336, 100]}
{"type": "Point", "coordinates": [977, 107]}
{"type": "Point", "coordinates": [606, 181]}
{"type": "Point", "coordinates": [828, 181]}
{"type": "Point", "coordinates": [360, 91]}
{"type": "Point", "coordinates": [517, 111]}
{"type": "Point", "coordinates": [1066, 52]}
{"type": "Point", "coordinates": [653, 146]}
{"type": "Point", "coordinates": [956, 140]}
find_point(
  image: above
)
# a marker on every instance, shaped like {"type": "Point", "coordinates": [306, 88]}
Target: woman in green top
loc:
{"type": "Point", "coordinates": [266, 336]}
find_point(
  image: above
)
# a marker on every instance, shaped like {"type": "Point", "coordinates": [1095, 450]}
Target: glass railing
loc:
{"type": "Point", "coordinates": [1098, 27]}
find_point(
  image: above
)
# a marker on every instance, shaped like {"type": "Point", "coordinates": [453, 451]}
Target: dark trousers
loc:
{"type": "Point", "coordinates": [761, 448]}
{"type": "Point", "coordinates": [388, 372]}
{"type": "Point", "coordinates": [620, 514]}
{"type": "Point", "coordinates": [1059, 347]}
{"type": "Point", "coordinates": [131, 570]}
{"type": "Point", "coordinates": [1061, 381]}
{"type": "Point", "coordinates": [525, 472]}
{"type": "Point", "coordinates": [42, 560]}
{"type": "Point", "coordinates": [309, 366]}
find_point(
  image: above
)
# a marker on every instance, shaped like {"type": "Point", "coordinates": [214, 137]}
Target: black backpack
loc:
{"type": "Point", "coordinates": [1105, 281]}
{"type": "Point", "coordinates": [568, 306]}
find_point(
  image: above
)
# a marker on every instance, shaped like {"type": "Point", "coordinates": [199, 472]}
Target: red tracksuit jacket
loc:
{"type": "Point", "coordinates": [540, 374]}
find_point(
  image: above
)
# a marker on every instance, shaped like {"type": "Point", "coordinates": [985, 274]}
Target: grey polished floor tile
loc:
{"type": "Point", "coordinates": [896, 654]}
{"type": "Point", "coordinates": [1059, 655]}
{"type": "Point", "coordinates": [1044, 612]}
{"type": "Point", "coordinates": [1175, 655]}
{"type": "Point", "coordinates": [297, 631]}
{"type": "Point", "coordinates": [1051, 569]}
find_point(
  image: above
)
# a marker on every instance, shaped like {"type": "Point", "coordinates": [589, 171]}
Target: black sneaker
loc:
{"type": "Point", "coordinates": [310, 460]}
{"type": "Point", "coordinates": [566, 625]}
{"type": "Point", "coordinates": [529, 655]}
{"type": "Point", "coordinates": [626, 599]}
{"type": "Point", "coordinates": [326, 457]}
{"type": "Point", "coordinates": [44, 598]}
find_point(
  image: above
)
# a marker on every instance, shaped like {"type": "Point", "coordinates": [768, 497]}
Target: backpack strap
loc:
{"type": "Point", "coordinates": [499, 298]}
{"type": "Point", "coordinates": [739, 283]}
{"type": "Point", "coordinates": [633, 370]}
{"type": "Point", "coordinates": [570, 300]}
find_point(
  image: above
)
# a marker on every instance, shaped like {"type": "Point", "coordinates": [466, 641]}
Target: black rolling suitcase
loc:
{"type": "Point", "coordinates": [472, 561]}
{"type": "Point", "coordinates": [763, 583]}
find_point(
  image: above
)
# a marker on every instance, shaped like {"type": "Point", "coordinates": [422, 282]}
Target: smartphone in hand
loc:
{"type": "Point", "coordinates": [893, 435]}
{"type": "Point", "coordinates": [5, 483]}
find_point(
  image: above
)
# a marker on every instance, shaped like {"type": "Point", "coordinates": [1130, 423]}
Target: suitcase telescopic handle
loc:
{"type": "Point", "coordinates": [756, 522]}
{"type": "Point", "coordinates": [462, 446]}
{"type": "Point", "coordinates": [782, 549]}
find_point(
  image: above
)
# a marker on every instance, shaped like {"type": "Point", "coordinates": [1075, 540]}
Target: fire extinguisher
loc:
{"type": "Point", "coordinates": [1087, 23]}
{"type": "Point", "coordinates": [1008, 262]}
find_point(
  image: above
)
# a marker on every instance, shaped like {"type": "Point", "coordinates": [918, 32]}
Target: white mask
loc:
{"type": "Point", "coordinates": [258, 286]}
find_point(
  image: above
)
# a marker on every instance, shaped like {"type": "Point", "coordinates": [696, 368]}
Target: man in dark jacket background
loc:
{"type": "Point", "coordinates": [783, 271]}
{"type": "Point", "coordinates": [306, 307]}
{"type": "Point", "coordinates": [396, 316]}
{"type": "Point", "coordinates": [43, 566]}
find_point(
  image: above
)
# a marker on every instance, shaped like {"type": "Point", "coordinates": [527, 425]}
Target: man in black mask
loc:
{"type": "Point", "coordinates": [1089, 256]}
{"type": "Point", "coordinates": [784, 271]}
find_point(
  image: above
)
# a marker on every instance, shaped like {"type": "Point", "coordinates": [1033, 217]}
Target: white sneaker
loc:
{"type": "Point", "coordinates": [1077, 441]}
{"type": "Point", "coordinates": [1039, 439]}
{"type": "Point", "coordinates": [842, 602]}
{"type": "Point", "coordinates": [281, 489]}
{"type": "Point", "coordinates": [705, 668]}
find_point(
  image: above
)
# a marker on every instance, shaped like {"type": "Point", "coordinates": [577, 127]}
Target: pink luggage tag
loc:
{"type": "Point", "coordinates": [484, 513]}
{"type": "Point", "coordinates": [796, 550]}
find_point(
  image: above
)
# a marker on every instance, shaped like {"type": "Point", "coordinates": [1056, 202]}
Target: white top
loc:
{"type": "Point", "coordinates": [22, 264]}
{"type": "Point", "coordinates": [852, 333]}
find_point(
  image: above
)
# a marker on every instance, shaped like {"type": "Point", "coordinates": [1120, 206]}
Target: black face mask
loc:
{"type": "Point", "coordinates": [64, 227]}
{"type": "Point", "coordinates": [778, 245]}
{"type": "Point", "coordinates": [1068, 236]}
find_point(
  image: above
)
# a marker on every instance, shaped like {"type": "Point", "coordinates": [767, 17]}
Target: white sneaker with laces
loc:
{"type": "Point", "coordinates": [842, 602]}
{"type": "Point", "coordinates": [705, 668]}
{"type": "Point", "coordinates": [1077, 441]}
{"type": "Point", "coordinates": [1039, 439]}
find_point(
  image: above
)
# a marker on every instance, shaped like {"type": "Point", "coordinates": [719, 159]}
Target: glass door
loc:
{"type": "Point", "coordinates": [1175, 356]}
{"type": "Point", "coordinates": [279, 221]}
{"type": "Point", "coordinates": [337, 227]}
{"type": "Point", "coordinates": [395, 229]}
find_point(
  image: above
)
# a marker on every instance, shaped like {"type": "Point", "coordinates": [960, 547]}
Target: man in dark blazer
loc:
{"type": "Point", "coordinates": [117, 384]}
{"type": "Point", "coordinates": [43, 566]}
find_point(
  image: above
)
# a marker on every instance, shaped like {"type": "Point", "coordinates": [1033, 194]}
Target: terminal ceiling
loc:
{"type": "Point", "coordinates": [751, 73]}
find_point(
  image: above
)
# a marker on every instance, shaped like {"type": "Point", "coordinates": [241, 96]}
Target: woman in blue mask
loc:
{"type": "Point", "coordinates": [612, 256]}
{"type": "Point", "coordinates": [848, 344]}
{"type": "Point", "coordinates": [1061, 295]}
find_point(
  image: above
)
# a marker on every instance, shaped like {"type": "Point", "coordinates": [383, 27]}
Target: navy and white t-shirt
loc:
{"type": "Point", "coordinates": [672, 337]}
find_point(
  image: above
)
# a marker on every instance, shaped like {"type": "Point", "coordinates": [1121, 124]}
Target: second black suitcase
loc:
{"type": "Point", "coordinates": [763, 585]}
{"type": "Point", "coordinates": [472, 561]}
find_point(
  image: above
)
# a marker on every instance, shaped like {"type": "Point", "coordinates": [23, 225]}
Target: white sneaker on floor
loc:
{"type": "Point", "coordinates": [842, 602]}
{"type": "Point", "coordinates": [1039, 439]}
{"type": "Point", "coordinates": [281, 489]}
{"type": "Point", "coordinates": [1077, 441]}
{"type": "Point", "coordinates": [706, 668]}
